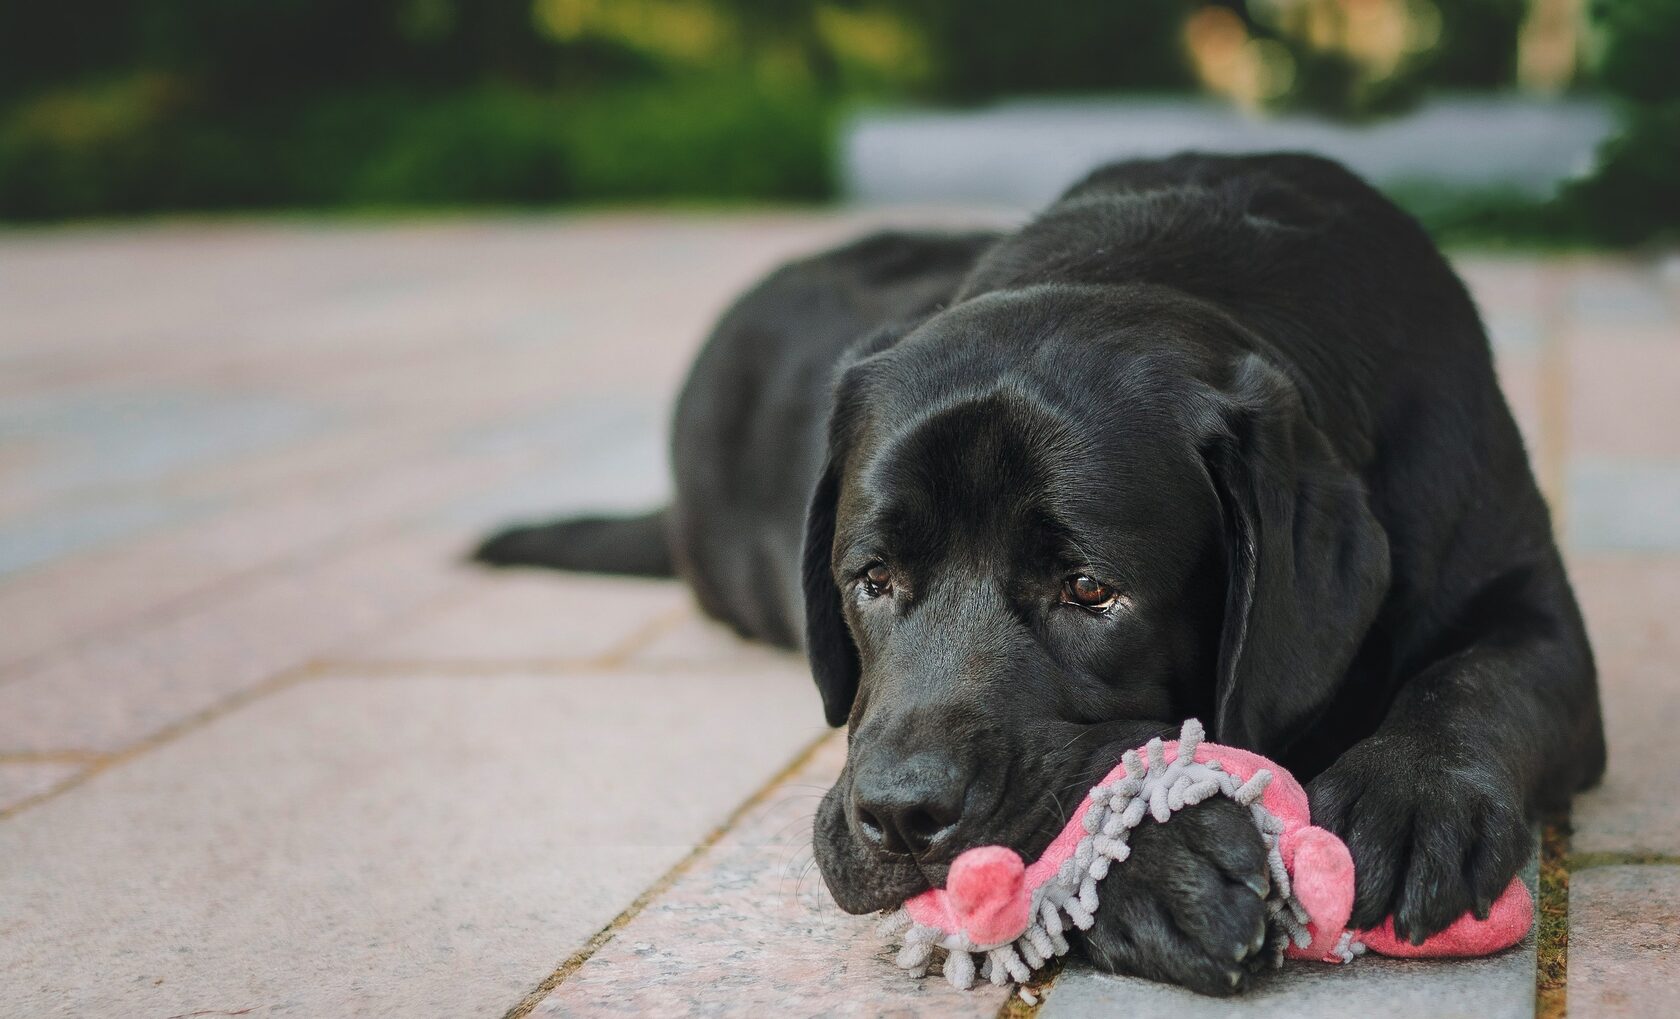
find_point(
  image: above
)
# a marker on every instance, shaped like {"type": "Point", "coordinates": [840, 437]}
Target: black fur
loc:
{"type": "Point", "coordinates": [636, 546]}
{"type": "Point", "coordinates": [1248, 394]}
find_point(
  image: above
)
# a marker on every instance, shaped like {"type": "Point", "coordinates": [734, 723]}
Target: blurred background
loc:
{"type": "Point", "coordinates": [1539, 121]}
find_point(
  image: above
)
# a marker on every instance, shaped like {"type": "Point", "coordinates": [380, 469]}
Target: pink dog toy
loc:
{"type": "Point", "coordinates": [1009, 917]}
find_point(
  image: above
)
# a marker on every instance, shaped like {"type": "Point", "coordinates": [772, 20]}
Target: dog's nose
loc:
{"type": "Point", "coordinates": [910, 809]}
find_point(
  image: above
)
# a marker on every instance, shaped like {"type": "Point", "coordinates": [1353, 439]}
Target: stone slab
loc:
{"type": "Point", "coordinates": [1496, 986]}
{"type": "Point", "coordinates": [30, 540]}
{"type": "Point", "coordinates": [147, 435]}
{"type": "Point", "coordinates": [624, 470]}
{"type": "Point", "coordinates": [531, 616]}
{"type": "Point", "coordinates": [90, 594]}
{"type": "Point", "coordinates": [1611, 297]}
{"type": "Point", "coordinates": [1521, 380]}
{"type": "Point", "coordinates": [19, 780]}
{"type": "Point", "coordinates": [697, 642]}
{"type": "Point", "coordinates": [1624, 941]}
{"type": "Point", "coordinates": [749, 930]}
{"type": "Point", "coordinates": [1629, 603]}
{"type": "Point", "coordinates": [1623, 505]}
{"type": "Point", "coordinates": [409, 847]}
{"type": "Point", "coordinates": [109, 693]}
{"type": "Point", "coordinates": [1622, 402]}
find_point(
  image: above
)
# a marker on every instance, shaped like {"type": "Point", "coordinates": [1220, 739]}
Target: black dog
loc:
{"type": "Point", "coordinates": [1211, 436]}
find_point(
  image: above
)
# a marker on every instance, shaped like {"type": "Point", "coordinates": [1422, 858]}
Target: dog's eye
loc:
{"type": "Point", "coordinates": [877, 580]}
{"type": "Point", "coordinates": [1088, 592]}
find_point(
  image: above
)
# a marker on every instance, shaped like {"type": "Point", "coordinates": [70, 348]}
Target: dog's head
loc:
{"type": "Point", "coordinates": [1049, 516]}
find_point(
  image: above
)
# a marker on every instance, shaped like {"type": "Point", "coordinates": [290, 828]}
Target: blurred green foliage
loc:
{"type": "Point", "coordinates": [112, 107]}
{"type": "Point", "coordinates": [1634, 194]}
{"type": "Point", "coordinates": [1631, 196]}
{"type": "Point", "coordinates": [982, 49]}
{"type": "Point", "coordinates": [1343, 72]}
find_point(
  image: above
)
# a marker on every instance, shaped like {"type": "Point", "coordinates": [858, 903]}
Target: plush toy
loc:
{"type": "Point", "coordinates": [1001, 919]}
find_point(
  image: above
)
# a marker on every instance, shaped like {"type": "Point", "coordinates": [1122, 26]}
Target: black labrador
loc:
{"type": "Point", "coordinates": [1212, 436]}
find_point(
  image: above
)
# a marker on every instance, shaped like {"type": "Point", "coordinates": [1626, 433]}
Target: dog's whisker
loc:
{"type": "Point", "coordinates": [787, 829]}
{"type": "Point", "coordinates": [1059, 808]}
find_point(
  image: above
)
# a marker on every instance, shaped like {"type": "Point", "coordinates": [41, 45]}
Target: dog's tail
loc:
{"type": "Point", "coordinates": [630, 545]}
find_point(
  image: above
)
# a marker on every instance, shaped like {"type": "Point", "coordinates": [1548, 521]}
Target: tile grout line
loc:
{"type": "Point", "coordinates": [484, 668]}
{"type": "Point", "coordinates": [650, 631]}
{"type": "Point", "coordinates": [572, 963]}
{"type": "Point", "coordinates": [1017, 1007]}
{"type": "Point", "coordinates": [98, 763]}
{"type": "Point", "coordinates": [1558, 865]}
{"type": "Point", "coordinates": [1589, 860]}
{"type": "Point", "coordinates": [1551, 907]}
{"type": "Point", "coordinates": [283, 680]}
{"type": "Point", "coordinates": [407, 520]}
{"type": "Point", "coordinates": [416, 442]}
{"type": "Point", "coordinates": [207, 596]}
{"type": "Point", "coordinates": [1551, 958]}
{"type": "Point", "coordinates": [88, 757]}
{"type": "Point", "coordinates": [614, 657]}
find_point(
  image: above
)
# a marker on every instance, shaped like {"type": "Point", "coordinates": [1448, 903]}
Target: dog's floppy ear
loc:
{"type": "Point", "coordinates": [1308, 562]}
{"type": "Point", "coordinates": [828, 638]}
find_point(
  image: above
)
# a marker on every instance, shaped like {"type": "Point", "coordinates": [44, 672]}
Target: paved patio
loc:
{"type": "Point", "coordinates": [266, 748]}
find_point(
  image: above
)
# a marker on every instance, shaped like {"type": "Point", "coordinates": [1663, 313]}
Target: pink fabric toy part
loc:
{"type": "Point", "coordinates": [1000, 918]}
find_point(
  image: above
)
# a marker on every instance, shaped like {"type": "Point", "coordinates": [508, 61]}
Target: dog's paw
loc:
{"type": "Point", "coordinates": [1188, 906]}
{"type": "Point", "coordinates": [1431, 838]}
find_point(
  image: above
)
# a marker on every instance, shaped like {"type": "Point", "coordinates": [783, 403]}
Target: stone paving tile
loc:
{"type": "Point", "coordinates": [110, 693]}
{"type": "Point", "coordinates": [32, 539]}
{"type": "Point", "coordinates": [89, 595]}
{"type": "Point", "coordinates": [1622, 402]}
{"type": "Point", "coordinates": [749, 930]}
{"type": "Point", "coordinates": [580, 423]}
{"type": "Point", "coordinates": [1624, 941]}
{"type": "Point", "coordinates": [1521, 380]}
{"type": "Point", "coordinates": [630, 475]}
{"type": "Point", "coordinates": [145, 436]}
{"type": "Point", "coordinates": [1503, 287]}
{"type": "Point", "coordinates": [1628, 599]}
{"type": "Point", "coordinates": [698, 642]}
{"type": "Point", "coordinates": [409, 847]}
{"type": "Point", "coordinates": [1607, 296]}
{"type": "Point", "coordinates": [19, 780]}
{"type": "Point", "coordinates": [1630, 505]}
{"type": "Point", "coordinates": [1496, 986]}
{"type": "Point", "coordinates": [529, 616]}
{"type": "Point", "coordinates": [602, 458]}
{"type": "Point", "coordinates": [1515, 330]}
{"type": "Point", "coordinates": [356, 450]}
{"type": "Point", "coordinates": [1629, 604]}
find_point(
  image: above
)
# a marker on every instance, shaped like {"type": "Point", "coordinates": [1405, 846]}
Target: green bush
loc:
{"type": "Point", "coordinates": [135, 147]}
{"type": "Point", "coordinates": [495, 146]}
{"type": "Point", "coordinates": [1633, 195]}
{"type": "Point", "coordinates": [714, 139]}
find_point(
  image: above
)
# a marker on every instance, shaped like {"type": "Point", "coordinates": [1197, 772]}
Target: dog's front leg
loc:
{"type": "Point", "coordinates": [1437, 805]}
